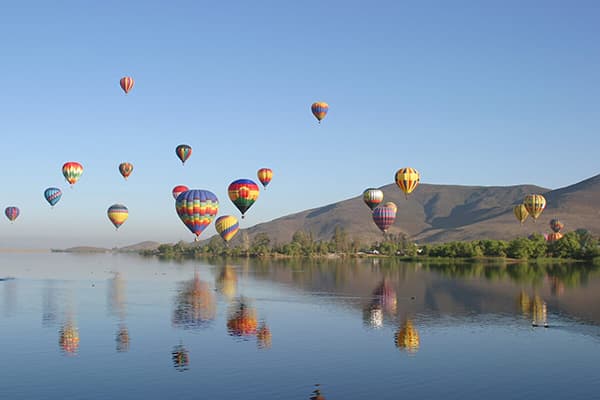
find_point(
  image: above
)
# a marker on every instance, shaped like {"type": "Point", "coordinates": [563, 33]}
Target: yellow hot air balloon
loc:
{"type": "Point", "coordinates": [407, 179]}
{"type": "Point", "coordinates": [520, 212]}
{"type": "Point", "coordinates": [534, 204]}
{"type": "Point", "coordinates": [117, 213]}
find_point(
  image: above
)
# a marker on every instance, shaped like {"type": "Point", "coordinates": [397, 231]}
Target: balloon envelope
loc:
{"type": "Point", "coordinates": [52, 195]}
{"type": "Point", "coordinates": [520, 212]}
{"type": "Point", "coordinates": [125, 169]}
{"type": "Point", "coordinates": [126, 84]}
{"type": "Point", "coordinates": [264, 176]}
{"type": "Point", "coordinates": [227, 226]}
{"type": "Point", "coordinates": [384, 216]}
{"type": "Point", "coordinates": [72, 171]}
{"type": "Point", "coordinates": [177, 190]}
{"type": "Point", "coordinates": [372, 197]}
{"type": "Point", "coordinates": [554, 236]}
{"type": "Point", "coordinates": [183, 152]}
{"type": "Point", "coordinates": [319, 110]}
{"type": "Point", "coordinates": [407, 179]}
{"type": "Point", "coordinates": [243, 193]}
{"type": "Point", "coordinates": [117, 213]}
{"type": "Point", "coordinates": [556, 225]}
{"type": "Point", "coordinates": [12, 212]}
{"type": "Point", "coordinates": [196, 209]}
{"type": "Point", "coordinates": [535, 204]}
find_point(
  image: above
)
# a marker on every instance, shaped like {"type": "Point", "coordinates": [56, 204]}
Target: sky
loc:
{"type": "Point", "coordinates": [467, 92]}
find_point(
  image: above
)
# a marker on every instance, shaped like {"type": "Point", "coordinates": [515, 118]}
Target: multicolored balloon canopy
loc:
{"type": "Point", "coordinates": [520, 212]}
{"type": "Point", "coordinates": [126, 84]}
{"type": "Point", "coordinates": [372, 197]}
{"type": "Point", "coordinates": [243, 193]}
{"type": "Point", "coordinates": [264, 176]}
{"type": "Point", "coordinates": [556, 225]}
{"type": "Point", "coordinates": [72, 171]}
{"type": "Point", "coordinates": [183, 152]}
{"type": "Point", "coordinates": [197, 208]}
{"type": "Point", "coordinates": [126, 168]}
{"type": "Point", "coordinates": [319, 110]}
{"type": "Point", "coordinates": [384, 216]}
{"type": "Point", "coordinates": [554, 236]}
{"type": "Point", "coordinates": [227, 226]}
{"type": "Point", "coordinates": [12, 213]}
{"type": "Point", "coordinates": [52, 195]}
{"type": "Point", "coordinates": [535, 205]}
{"type": "Point", "coordinates": [407, 179]}
{"type": "Point", "coordinates": [117, 214]}
{"type": "Point", "coordinates": [177, 190]}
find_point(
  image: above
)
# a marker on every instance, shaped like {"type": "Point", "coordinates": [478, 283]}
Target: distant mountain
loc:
{"type": "Point", "coordinates": [82, 249]}
{"type": "Point", "coordinates": [147, 245]}
{"type": "Point", "coordinates": [441, 213]}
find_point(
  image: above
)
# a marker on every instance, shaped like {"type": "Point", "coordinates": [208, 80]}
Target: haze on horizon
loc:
{"type": "Point", "coordinates": [467, 93]}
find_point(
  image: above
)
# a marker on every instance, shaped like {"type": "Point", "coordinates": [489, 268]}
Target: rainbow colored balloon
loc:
{"type": "Point", "coordinates": [556, 225]}
{"type": "Point", "coordinates": [372, 197]}
{"type": "Point", "coordinates": [197, 209]}
{"type": "Point", "coordinates": [183, 152]}
{"type": "Point", "coordinates": [126, 84]}
{"type": "Point", "coordinates": [264, 176]}
{"type": "Point", "coordinates": [72, 171]}
{"type": "Point", "coordinates": [384, 216]}
{"type": "Point", "coordinates": [243, 193]}
{"type": "Point", "coordinates": [117, 213]}
{"type": "Point", "coordinates": [125, 169]}
{"type": "Point", "coordinates": [407, 179]}
{"type": "Point", "coordinates": [52, 195]}
{"type": "Point", "coordinates": [227, 226]}
{"type": "Point", "coordinates": [177, 190]}
{"type": "Point", "coordinates": [319, 110]}
{"type": "Point", "coordinates": [12, 213]}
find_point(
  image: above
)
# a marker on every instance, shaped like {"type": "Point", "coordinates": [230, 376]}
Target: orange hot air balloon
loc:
{"type": "Point", "coordinates": [126, 84]}
{"type": "Point", "coordinates": [72, 171]}
{"type": "Point", "coordinates": [125, 169]}
{"type": "Point", "coordinates": [264, 176]}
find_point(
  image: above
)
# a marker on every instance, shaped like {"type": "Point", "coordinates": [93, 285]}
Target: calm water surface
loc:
{"type": "Point", "coordinates": [126, 327]}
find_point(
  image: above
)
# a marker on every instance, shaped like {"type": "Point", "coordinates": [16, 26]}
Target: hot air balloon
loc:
{"type": "Point", "coordinates": [407, 179]}
{"type": "Point", "coordinates": [384, 216]}
{"type": "Point", "coordinates": [553, 237]}
{"type": "Point", "coordinates": [11, 213]}
{"type": "Point", "coordinates": [184, 152]}
{"type": "Point", "coordinates": [227, 226]}
{"type": "Point", "coordinates": [556, 225]}
{"type": "Point", "coordinates": [117, 213]}
{"type": "Point", "coordinates": [535, 204]}
{"type": "Point", "coordinates": [177, 190]}
{"type": "Point", "coordinates": [372, 197]}
{"type": "Point", "coordinates": [392, 205]}
{"type": "Point", "coordinates": [197, 209]}
{"type": "Point", "coordinates": [319, 110]}
{"type": "Point", "coordinates": [264, 176]}
{"type": "Point", "coordinates": [125, 169]}
{"type": "Point", "coordinates": [126, 84]}
{"type": "Point", "coordinates": [520, 212]}
{"type": "Point", "coordinates": [72, 171]}
{"type": "Point", "coordinates": [243, 193]}
{"type": "Point", "coordinates": [52, 195]}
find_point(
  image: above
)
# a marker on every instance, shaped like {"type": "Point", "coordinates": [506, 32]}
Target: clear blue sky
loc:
{"type": "Point", "coordinates": [467, 92]}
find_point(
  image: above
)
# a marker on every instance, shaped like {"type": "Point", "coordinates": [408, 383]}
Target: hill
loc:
{"type": "Point", "coordinates": [441, 213]}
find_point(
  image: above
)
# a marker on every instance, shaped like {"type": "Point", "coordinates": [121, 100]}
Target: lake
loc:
{"type": "Point", "coordinates": [103, 326]}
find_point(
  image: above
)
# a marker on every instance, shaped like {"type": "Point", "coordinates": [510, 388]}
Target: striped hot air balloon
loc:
{"type": "Point", "coordinates": [520, 212]}
{"type": "Point", "coordinates": [319, 110]}
{"type": "Point", "coordinates": [384, 216]}
{"type": "Point", "coordinates": [118, 214]}
{"type": "Point", "coordinates": [554, 236]}
{"type": "Point", "coordinates": [126, 168]}
{"type": "Point", "coordinates": [227, 226]}
{"type": "Point", "coordinates": [535, 204]}
{"type": "Point", "coordinates": [12, 213]}
{"type": "Point", "coordinates": [183, 152]}
{"type": "Point", "coordinates": [177, 190]}
{"type": "Point", "coordinates": [372, 197]}
{"type": "Point", "coordinates": [264, 176]}
{"type": "Point", "coordinates": [556, 225]}
{"type": "Point", "coordinates": [243, 193]}
{"type": "Point", "coordinates": [126, 84]}
{"type": "Point", "coordinates": [72, 171]}
{"type": "Point", "coordinates": [197, 209]}
{"type": "Point", "coordinates": [407, 179]}
{"type": "Point", "coordinates": [52, 195]}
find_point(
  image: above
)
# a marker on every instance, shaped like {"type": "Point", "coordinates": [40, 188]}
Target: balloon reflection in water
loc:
{"type": "Point", "coordinates": [69, 338]}
{"type": "Point", "coordinates": [122, 339]}
{"type": "Point", "coordinates": [181, 358]}
{"type": "Point", "coordinates": [407, 337]}
{"type": "Point", "coordinates": [385, 295]}
{"type": "Point", "coordinates": [227, 282]}
{"type": "Point", "coordinates": [242, 320]}
{"type": "Point", "coordinates": [539, 312]}
{"type": "Point", "coordinates": [373, 315]}
{"type": "Point", "coordinates": [524, 303]}
{"type": "Point", "coordinates": [557, 286]}
{"type": "Point", "coordinates": [116, 295]}
{"type": "Point", "coordinates": [263, 336]}
{"type": "Point", "coordinates": [316, 394]}
{"type": "Point", "coordinates": [194, 305]}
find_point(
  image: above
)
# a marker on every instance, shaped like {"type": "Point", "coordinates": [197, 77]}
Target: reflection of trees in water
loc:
{"type": "Point", "coordinates": [535, 309]}
{"type": "Point", "coordinates": [180, 358]}
{"type": "Point", "coordinates": [122, 339]}
{"type": "Point", "coordinates": [195, 306]}
{"type": "Point", "coordinates": [226, 282]}
{"type": "Point", "coordinates": [407, 337]}
{"type": "Point", "coordinates": [68, 338]}
{"type": "Point", "coordinates": [9, 287]}
{"type": "Point", "coordinates": [524, 303]}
